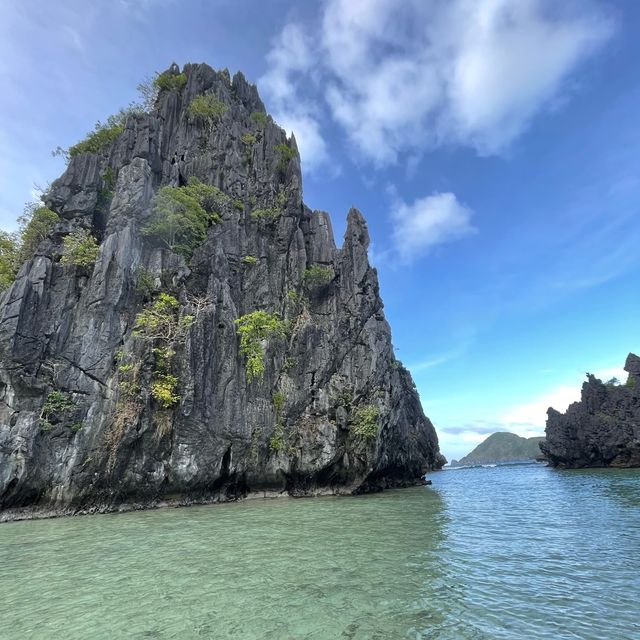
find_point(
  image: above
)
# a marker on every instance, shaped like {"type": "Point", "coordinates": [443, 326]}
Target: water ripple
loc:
{"type": "Point", "coordinates": [502, 553]}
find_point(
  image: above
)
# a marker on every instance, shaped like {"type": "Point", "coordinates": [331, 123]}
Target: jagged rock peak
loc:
{"type": "Point", "coordinates": [100, 408]}
{"type": "Point", "coordinates": [632, 365]}
{"type": "Point", "coordinates": [601, 430]}
{"type": "Point", "coordinates": [357, 230]}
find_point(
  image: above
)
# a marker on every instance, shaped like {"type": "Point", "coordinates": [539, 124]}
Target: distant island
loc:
{"type": "Point", "coordinates": [502, 447]}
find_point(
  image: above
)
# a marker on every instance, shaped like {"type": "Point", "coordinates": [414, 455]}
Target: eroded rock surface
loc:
{"type": "Point", "coordinates": [65, 328]}
{"type": "Point", "coordinates": [603, 429]}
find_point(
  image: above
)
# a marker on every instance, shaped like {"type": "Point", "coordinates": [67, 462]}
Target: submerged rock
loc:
{"type": "Point", "coordinates": [333, 410]}
{"type": "Point", "coordinates": [603, 429]}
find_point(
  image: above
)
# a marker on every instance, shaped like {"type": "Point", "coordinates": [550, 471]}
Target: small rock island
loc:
{"type": "Point", "coordinates": [603, 429]}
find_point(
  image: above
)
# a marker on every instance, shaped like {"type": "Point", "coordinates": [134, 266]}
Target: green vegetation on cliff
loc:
{"type": "Point", "coordinates": [80, 249]}
{"type": "Point", "coordinates": [169, 81]}
{"type": "Point", "coordinates": [254, 329]}
{"type": "Point", "coordinates": [181, 215]}
{"type": "Point", "coordinates": [103, 134]}
{"type": "Point", "coordinates": [207, 108]}
{"type": "Point", "coordinates": [15, 248]}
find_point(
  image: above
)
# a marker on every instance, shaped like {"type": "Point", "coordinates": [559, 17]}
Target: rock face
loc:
{"type": "Point", "coordinates": [502, 447]}
{"type": "Point", "coordinates": [68, 329]}
{"type": "Point", "coordinates": [603, 429]}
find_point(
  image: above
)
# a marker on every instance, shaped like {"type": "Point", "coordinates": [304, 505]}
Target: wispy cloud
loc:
{"type": "Point", "coordinates": [434, 361]}
{"type": "Point", "coordinates": [479, 427]}
{"type": "Point", "coordinates": [73, 38]}
{"type": "Point", "coordinates": [139, 9]}
{"type": "Point", "coordinates": [403, 76]}
{"type": "Point", "coordinates": [606, 252]}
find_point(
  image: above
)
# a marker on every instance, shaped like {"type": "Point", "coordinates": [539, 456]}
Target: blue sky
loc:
{"type": "Point", "coordinates": [493, 146]}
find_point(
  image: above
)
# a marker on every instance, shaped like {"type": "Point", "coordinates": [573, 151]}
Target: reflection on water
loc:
{"type": "Point", "coordinates": [512, 552]}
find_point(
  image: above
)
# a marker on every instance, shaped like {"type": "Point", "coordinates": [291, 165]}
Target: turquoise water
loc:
{"type": "Point", "coordinates": [511, 552]}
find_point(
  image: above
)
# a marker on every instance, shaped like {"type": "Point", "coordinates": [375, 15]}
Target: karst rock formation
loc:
{"type": "Point", "coordinates": [81, 429]}
{"type": "Point", "coordinates": [603, 429]}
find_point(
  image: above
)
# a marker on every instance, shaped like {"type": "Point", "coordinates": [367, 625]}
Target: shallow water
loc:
{"type": "Point", "coordinates": [507, 552]}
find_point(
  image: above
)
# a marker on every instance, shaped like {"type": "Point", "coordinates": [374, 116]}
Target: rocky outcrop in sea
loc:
{"type": "Point", "coordinates": [603, 429]}
{"type": "Point", "coordinates": [255, 359]}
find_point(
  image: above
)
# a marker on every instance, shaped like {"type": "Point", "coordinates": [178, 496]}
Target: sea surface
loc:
{"type": "Point", "coordinates": [505, 552]}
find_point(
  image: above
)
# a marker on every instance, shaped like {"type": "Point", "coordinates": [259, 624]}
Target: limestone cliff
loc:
{"type": "Point", "coordinates": [333, 411]}
{"type": "Point", "coordinates": [603, 429]}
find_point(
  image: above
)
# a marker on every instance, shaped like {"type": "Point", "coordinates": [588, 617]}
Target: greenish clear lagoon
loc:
{"type": "Point", "coordinates": [506, 552]}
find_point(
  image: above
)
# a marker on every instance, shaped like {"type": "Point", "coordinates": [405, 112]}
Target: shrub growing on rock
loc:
{"type": "Point", "coordinates": [266, 215]}
{"type": "Point", "coordinates": [365, 423]}
{"type": "Point", "coordinates": [168, 81]}
{"type": "Point", "coordinates": [276, 441]}
{"type": "Point", "coordinates": [317, 276]}
{"type": "Point", "coordinates": [56, 408]}
{"type": "Point", "coordinates": [161, 321]}
{"type": "Point", "coordinates": [286, 155]}
{"type": "Point", "coordinates": [9, 248]}
{"type": "Point", "coordinates": [145, 283]}
{"type": "Point", "coordinates": [103, 134]}
{"type": "Point", "coordinates": [80, 249]}
{"type": "Point", "coordinates": [162, 324]}
{"type": "Point", "coordinates": [164, 390]}
{"type": "Point", "coordinates": [210, 198]}
{"type": "Point", "coordinates": [253, 329]}
{"type": "Point", "coordinates": [207, 108]}
{"type": "Point", "coordinates": [260, 118]}
{"type": "Point", "coordinates": [35, 224]}
{"type": "Point", "coordinates": [181, 216]}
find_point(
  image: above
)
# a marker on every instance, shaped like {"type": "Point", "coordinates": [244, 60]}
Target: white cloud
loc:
{"type": "Point", "coordinates": [510, 59]}
{"type": "Point", "coordinates": [292, 55]}
{"type": "Point", "coordinates": [529, 419]}
{"type": "Point", "coordinates": [311, 144]}
{"type": "Point", "coordinates": [428, 222]}
{"type": "Point", "coordinates": [404, 76]}
{"type": "Point", "coordinates": [611, 372]}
